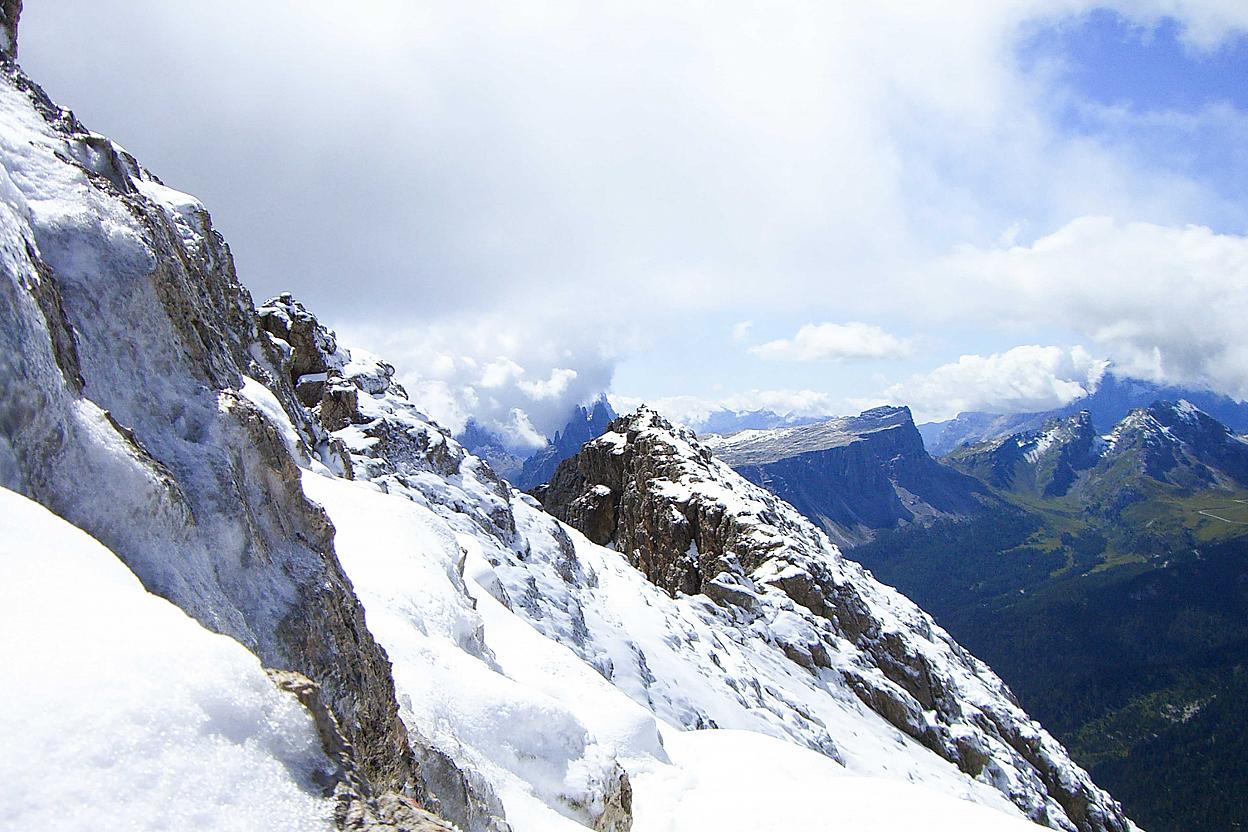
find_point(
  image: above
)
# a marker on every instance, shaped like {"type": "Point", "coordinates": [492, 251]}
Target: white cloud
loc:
{"type": "Point", "coordinates": [1164, 303]}
{"type": "Point", "coordinates": [513, 377]}
{"type": "Point", "coordinates": [1023, 379]}
{"type": "Point", "coordinates": [741, 330]}
{"type": "Point", "coordinates": [694, 410]}
{"type": "Point", "coordinates": [835, 342]}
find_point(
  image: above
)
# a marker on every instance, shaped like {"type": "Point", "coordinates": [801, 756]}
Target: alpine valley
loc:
{"type": "Point", "coordinates": [1096, 556]}
{"type": "Point", "coordinates": [250, 585]}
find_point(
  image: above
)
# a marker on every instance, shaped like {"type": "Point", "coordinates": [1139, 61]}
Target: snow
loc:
{"type": "Point", "coordinates": [484, 684]}
{"type": "Point", "coordinates": [124, 713]}
{"type": "Point", "coordinates": [736, 781]}
{"type": "Point", "coordinates": [533, 749]}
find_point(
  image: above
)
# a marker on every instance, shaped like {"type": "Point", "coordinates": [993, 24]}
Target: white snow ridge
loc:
{"type": "Point", "coordinates": [205, 505]}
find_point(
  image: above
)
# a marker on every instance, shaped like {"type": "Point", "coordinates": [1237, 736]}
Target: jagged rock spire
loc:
{"type": "Point", "coordinates": [10, 11]}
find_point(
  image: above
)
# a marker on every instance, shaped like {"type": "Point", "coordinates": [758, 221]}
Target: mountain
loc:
{"type": "Point", "coordinates": [1114, 397]}
{"type": "Point", "coordinates": [1110, 590]}
{"type": "Point", "coordinates": [237, 555]}
{"type": "Point", "coordinates": [941, 438]}
{"type": "Point", "coordinates": [696, 528]}
{"type": "Point", "coordinates": [488, 445]}
{"type": "Point", "coordinates": [1045, 461]}
{"type": "Point", "coordinates": [853, 476]}
{"type": "Point", "coordinates": [855, 692]}
{"type": "Point", "coordinates": [585, 424]}
{"type": "Point", "coordinates": [1168, 443]}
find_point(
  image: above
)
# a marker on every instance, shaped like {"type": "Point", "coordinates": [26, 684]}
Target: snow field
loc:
{"type": "Point", "coordinates": [120, 712]}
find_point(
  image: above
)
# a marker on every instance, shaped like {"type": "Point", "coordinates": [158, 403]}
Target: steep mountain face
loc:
{"type": "Point", "coordinates": [1114, 398]}
{"type": "Point", "coordinates": [1045, 461]}
{"type": "Point", "coordinates": [1110, 592]}
{"type": "Point", "coordinates": [695, 527]}
{"type": "Point", "coordinates": [585, 424]}
{"type": "Point", "coordinates": [853, 476]}
{"type": "Point", "coordinates": [136, 396]}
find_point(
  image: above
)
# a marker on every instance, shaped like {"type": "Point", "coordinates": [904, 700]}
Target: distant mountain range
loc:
{"type": "Point", "coordinates": [725, 421]}
{"type": "Point", "coordinates": [855, 475]}
{"type": "Point", "coordinates": [1110, 589]}
{"type": "Point", "coordinates": [1096, 554]}
{"type": "Point", "coordinates": [1114, 398]}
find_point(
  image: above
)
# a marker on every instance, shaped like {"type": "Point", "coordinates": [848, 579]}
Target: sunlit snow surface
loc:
{"type": "Point", "coordinates": [118, 711]}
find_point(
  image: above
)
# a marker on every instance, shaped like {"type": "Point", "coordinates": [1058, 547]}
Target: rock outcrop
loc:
{"type": "Point", "coordinates": [10, 12]}
{"type": "Point", "coordinates": [653, 493]}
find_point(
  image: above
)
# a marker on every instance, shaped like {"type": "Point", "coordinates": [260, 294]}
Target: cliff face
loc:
{"type": "Point", "coordinates": [691, 525]}
{"type": "Point", "coordinates": [853, 476]}
{"type": "Point", "coordinates": [10, 11]}
{"type": "Point", "coordinates": [136, 394]}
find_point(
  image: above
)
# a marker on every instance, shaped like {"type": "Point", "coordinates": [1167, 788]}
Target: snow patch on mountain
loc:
{"type": "Point", "coordinates": [123, 713]}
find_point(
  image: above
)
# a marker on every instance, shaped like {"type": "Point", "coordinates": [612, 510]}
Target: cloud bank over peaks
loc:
{"type": "Point", "coordinates": [1020, 380]}
{"type": "Point", "coordinates": [835, 342]}
{"type": "Point", "coordinates": [518, 377]}
{"type": "Point", "coordinates": [1164, 303]}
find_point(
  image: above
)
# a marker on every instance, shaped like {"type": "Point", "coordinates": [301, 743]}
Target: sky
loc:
{"type": "Point", "coordinates": [811, 207]}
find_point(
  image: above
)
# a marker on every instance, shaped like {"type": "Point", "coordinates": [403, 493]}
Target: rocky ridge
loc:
{"type": "Point", "coordinates": [692, 526]}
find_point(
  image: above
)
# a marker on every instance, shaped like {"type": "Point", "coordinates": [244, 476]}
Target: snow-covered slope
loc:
{"type": "Point", "coordinates": [120, 712]}
{"type": "Point", "coordinates": [886, 694]}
